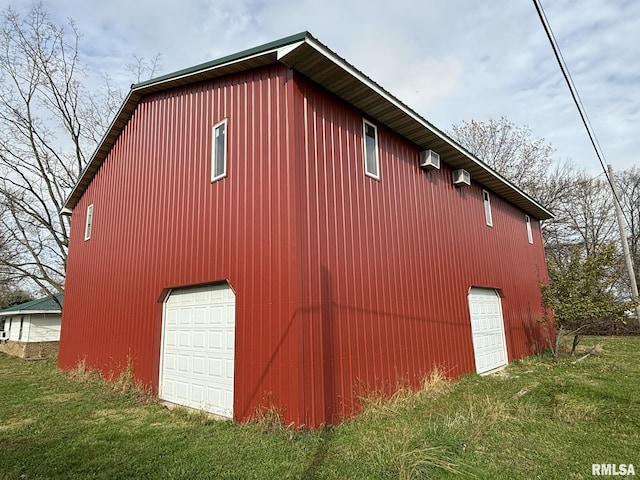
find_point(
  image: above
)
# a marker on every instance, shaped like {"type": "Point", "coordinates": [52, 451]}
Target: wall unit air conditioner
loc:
{"type": "Point", "coordinates": [461, 177]}
{"type": "Point", "coordinates": [429, 160]}
{"type": "Point", "coordinates": [4, 335]}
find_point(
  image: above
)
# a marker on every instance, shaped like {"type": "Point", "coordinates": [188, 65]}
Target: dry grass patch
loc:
{"type": "Point", "coordinates": [129, 416]}
{"type": "Point", "coordinates": [268, 417]}
{"type": "Point", "coordinates": [593, 350]}
{"type": "Point", "coordinates": [571, 411]}
{"type": "Point", "coordinates": [82, 373]}
{"type": "Point", "coordinates": [406, 456]}
{"type": "Point", "coordinates": [61, 397]}
{"type": "Point", "coordinates": [479, 415]}
{"type": "Point", "coordinates": [433, 386]}
{"type": "Point", "coordinates": [126, 383]}
{"type": "Point", "coordinates": [15, 424]}
{"type": "Point", "coordinates": [121, 383]}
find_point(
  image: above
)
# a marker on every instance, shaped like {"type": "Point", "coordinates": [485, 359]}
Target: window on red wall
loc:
{"type": "Point", "coordinates": [487, 208]}
{"type": "Point", "coordinates": [88, 222]}
{"type": "Point", "coordinates": [371, 160]}
{"type": "Point", "coordinates": [527, 220]}
{"type": "Point", "coordinates": [219, 151]}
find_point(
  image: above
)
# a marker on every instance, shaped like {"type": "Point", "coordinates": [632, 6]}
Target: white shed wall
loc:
{"type": "Point", "coordinates": [44, 328]}
{"type": "Point", "coordinates": [35, 328]}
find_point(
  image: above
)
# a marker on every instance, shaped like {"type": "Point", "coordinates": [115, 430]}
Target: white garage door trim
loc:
{"type": "Point", "coordinates": [197, 349]}
{"type": "Point", "coordinates": [487, 329]}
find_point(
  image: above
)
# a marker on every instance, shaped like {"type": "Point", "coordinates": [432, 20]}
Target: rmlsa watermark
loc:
{"type": "Point", "coordinates": [613, 469]}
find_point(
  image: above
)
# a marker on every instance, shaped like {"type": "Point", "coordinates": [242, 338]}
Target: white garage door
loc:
{"type": "Point", "coordinates": [198, 335]}
{"type": "Point", "coordinates": [487, 329]}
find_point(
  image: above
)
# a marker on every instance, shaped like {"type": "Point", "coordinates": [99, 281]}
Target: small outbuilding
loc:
{"type": "Point", "coordinates": [273, 229]}
{"type": "Point", "coordinates": [32, 329]}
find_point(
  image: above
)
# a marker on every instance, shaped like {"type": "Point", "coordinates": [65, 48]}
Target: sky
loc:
{"type": "Point", "coordinates": [450, 61]}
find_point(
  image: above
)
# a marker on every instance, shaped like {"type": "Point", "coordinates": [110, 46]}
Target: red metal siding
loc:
{"type": "Point", "coordinates": [386, 265]}
{"type": "Point", "coordinates": [160, 223]}
{"type": "Point", "coordinates": [344, 284]}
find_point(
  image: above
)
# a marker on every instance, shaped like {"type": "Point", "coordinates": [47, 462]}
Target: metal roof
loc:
{"type": "Point", "coordinates": [303, 53]}
{"type": "Point", "coordinates": [41, 305]}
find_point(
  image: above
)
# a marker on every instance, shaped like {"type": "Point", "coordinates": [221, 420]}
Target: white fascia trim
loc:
{"type": "Point", "coordinates": [284, 51]}
{"type": "Point", "coordinates": [29, 312]}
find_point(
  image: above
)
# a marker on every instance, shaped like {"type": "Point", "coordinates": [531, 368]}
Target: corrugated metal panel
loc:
{"type": "Point", "coordinates": [343, 284]}
{"type": "Point", "coordinates": [160, 223]}
{"type": "Point", "coordinates": [387, 265]}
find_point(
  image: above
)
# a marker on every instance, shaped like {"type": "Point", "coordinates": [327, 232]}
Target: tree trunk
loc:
{"type": "Point", "coordinates": [576, 340]}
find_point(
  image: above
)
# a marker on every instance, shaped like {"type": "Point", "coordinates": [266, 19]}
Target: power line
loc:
{"type": "Point", "coordinates": [576, 97]}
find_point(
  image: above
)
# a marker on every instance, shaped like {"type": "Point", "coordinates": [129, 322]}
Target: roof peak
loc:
{"type": "Point", "coordinates": [273, 45]}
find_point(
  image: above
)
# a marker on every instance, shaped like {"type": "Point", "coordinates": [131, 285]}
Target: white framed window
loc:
{"type": "Point", "coordinates": [219, 151]}
{"type": "Point", "coordinates": [88, 222]}
{"type": "Point", "coordinates": [371, 159]}
{"type": "Point", "coordinates": [487, 208]}
{"type": "Point", "coordinates": [527, 220]}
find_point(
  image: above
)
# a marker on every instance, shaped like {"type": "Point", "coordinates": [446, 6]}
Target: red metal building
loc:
{"type": "Point", "coordinates": [275, 229]}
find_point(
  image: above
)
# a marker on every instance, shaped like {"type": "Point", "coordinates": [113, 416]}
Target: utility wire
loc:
{"type": "Point", "coordinates": [576, 97]}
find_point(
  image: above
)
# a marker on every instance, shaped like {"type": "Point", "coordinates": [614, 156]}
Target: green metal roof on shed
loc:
{"type": "Point", "coordinates": [41, 305]}
{"type": "Point", "coordinates": [303, 53]}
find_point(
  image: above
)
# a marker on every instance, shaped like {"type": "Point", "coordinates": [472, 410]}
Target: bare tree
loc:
{"type": "Point", "coordinates": [583, 219]}
{"type": "Point", "coordinates": [47, 124]}
{"type": "Point", "coordinates": [629, 188]}
{"type": "Point", "coordinates": [523, 160]}
{"type": "Point", "coordinates": [581, 203]}
{"type": "Point", "coordinates": [141, 68]}
{"type": "Point", "coordinates": [628, 183]}
{"type": "Point", "coordinates": [511, 151]}
{"type": "Point", "coordinates": [588, 213]}
{"type": "Point", "coordinates": [10, 292]}
{"type": "Point", "coordinates": [4, 257]}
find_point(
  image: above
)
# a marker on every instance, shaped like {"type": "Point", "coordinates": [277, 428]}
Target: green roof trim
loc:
{"type": "Point", "coordinates": [298, 37]}
{"type": "Point", "coordinates": [46, 304]}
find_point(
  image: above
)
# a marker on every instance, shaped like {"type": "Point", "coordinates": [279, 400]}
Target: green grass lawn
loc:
{"type": "Point", "coordinates": [537, 419]}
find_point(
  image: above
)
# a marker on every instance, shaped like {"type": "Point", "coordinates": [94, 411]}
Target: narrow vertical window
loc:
{"type": "Point", "coordinates": [529, 233]}
{"type": "Point", "coordinates": [487, 208]}
{"type": "Point", "coordinates": [371, 162]}
{"type": "Point", "coordinates": [21, 326]}
{"type": "Point", "coordinates": [88, 222]}
{"type": "Point", "coordinates": [219, 154]}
